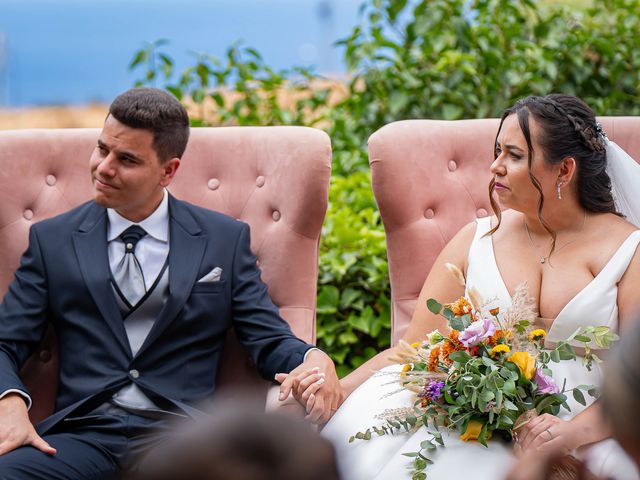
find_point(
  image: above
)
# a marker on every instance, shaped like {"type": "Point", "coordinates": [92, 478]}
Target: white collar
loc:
{"type": "Point", "coordinates": [156, 225]}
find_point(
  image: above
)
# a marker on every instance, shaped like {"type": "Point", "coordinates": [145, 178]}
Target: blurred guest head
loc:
{"type": "Point", "coordinates": [621, 391]}
{"type": "Point", "coordinates": [242, 444]}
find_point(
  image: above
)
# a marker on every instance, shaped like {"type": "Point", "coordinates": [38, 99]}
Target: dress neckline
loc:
{"type": "Point", "coordinates": [579, 293]}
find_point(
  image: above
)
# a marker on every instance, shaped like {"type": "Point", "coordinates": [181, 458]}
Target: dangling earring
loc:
{"type": "Point", "coordinates": [559, 184]}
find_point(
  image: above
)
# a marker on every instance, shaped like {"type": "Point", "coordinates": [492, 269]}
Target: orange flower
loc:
{"type": "Point", "coordinates": [433, 359]}
{"type": "Point", "coordinates": [497, 337]}
{"type": "Point", "coordinates": [494, 311]}
{"type": "Point", "coordinates": [450, 345]}
{"type": "Point", "coordinates": [460, 307]}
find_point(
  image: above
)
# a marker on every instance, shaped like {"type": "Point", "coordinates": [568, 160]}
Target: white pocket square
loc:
{"type": "Point", "coordinates": [213, 276]}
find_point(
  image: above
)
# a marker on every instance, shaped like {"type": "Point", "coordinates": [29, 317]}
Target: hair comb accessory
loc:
{"type": "Point", "coordinates": [601, 131]}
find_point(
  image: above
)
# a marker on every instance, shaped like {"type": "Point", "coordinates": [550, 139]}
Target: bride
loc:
{"type": "Point", "coordinates": [564, 235]}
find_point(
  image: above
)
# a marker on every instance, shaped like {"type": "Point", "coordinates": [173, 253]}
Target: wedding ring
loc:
{"type": "Point", "coordinates": [550, 435]}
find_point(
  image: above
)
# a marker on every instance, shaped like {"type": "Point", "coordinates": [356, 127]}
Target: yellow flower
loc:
{"type": "Point", "coordinates": [501, 348]}
{"type": "Point", "coordinates": [538, 334]}
{"type": "Point", "coordinates": [474, 427]}
{"type": "Point", "coordinates": [405, 369]}
{"type": "Point", "coordinates": [415, 344]}
{"type": "Point", "coordinates": [525, 362]}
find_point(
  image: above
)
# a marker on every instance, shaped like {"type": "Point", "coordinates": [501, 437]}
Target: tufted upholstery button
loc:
{"type": "Point", "coordinates": [452, 166]}
{"type": "Point", "coordinates": [429, 213]}
{"type": "Point", "coordinates": [45, 356]}
{"type": "Point", "coordinates": [481, 212]}
{"type": "Point", "coordinates": [275, 215]}
{"type": "Point", "coordinates": [51, 180]}
{"type": "Point", "coordinates": [260, 181]}
{"type": "Point", "coordinates": [135, 374]}
{"type": "Point", "coordinates": [28, 214]}
{"type": "Point", "coordinates": [213, 184]}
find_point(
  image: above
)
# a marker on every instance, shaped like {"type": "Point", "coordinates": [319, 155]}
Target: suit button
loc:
{"type": "Point", "coordinates": [134, 374]}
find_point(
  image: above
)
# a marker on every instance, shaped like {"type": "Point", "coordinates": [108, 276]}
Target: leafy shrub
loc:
{"type": "Point", "coordinates": [353, 292]}
{"type": "Point", "coordinates": [237, 90]}
{"type": "Point", "coordinates": [452, 59]}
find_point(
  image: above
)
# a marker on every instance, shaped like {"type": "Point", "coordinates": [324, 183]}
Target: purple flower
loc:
{"type": "Point", "coordinates": [545, 383]}
{"type": "Point", "coordinates": [476, 332]}
{"type": "Point", "coordinates": [433, 391]}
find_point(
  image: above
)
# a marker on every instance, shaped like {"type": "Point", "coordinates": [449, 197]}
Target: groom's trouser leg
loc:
{"type": "Point", "coordinates": [89, 448]}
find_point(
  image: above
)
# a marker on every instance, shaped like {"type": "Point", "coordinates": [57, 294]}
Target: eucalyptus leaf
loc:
{"type": "Point", "coordinates": [579, 397]}
{"type": "Point", "coordinates": [433, 306]}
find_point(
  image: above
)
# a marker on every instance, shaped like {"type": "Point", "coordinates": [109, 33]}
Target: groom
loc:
{"type": "Point", "coordinates": [141, 289]}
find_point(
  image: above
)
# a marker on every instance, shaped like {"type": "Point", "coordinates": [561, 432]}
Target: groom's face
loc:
{"type": "Point", "coordinates": [126, 172]}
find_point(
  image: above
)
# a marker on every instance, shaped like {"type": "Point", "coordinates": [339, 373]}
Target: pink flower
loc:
{"type": "Point", "coordinates": [545, 383]}
{"type": "Point", "coordinates": [477, 332]}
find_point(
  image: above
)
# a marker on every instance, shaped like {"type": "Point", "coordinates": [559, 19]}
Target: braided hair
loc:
{"type": "Point", "coordinates": [568, 129]}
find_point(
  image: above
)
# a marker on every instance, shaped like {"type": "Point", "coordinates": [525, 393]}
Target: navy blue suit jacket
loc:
{"type": "Point", "coordinates": [63, 280]}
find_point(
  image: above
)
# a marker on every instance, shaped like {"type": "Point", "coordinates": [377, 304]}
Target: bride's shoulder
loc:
{"type": "Point", "coordinates": [611, 225]}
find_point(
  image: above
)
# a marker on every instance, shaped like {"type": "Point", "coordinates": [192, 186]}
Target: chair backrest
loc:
{"type": "Point", "coordinates": [430, 178]}
{"type": "Point", "coordinates": [274, 178]}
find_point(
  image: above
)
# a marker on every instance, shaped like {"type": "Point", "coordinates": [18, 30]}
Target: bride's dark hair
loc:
{"type": "Point", "coordinates": [568, 128]}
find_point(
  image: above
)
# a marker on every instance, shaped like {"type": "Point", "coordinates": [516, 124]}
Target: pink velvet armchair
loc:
{"type": "Point", "coordinates": [274, 178]}
{"type": "Point", "coordinates": [430, 178]}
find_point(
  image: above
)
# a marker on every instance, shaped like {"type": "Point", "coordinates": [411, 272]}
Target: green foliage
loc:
{"type": "Point", "coordinates": [353, 294]}
{"type": "Point", "coordinates": [240, 89]}
{"type": "Point", "coordinates": [446, 59]}
{"type": "Point", "coordinates": [453, 59]}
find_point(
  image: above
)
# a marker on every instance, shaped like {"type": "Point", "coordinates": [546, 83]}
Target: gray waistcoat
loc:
{"type": "Point", "coordinates": [138, 322]}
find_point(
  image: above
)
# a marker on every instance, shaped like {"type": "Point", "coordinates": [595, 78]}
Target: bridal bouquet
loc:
{"type": "Point", "coordinates": [487, 375]}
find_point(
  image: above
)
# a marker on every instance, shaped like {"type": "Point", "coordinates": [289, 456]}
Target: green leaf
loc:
{"type": "Point", "coordinates": [349, 295]}
{"type": "Point", "coordinates": [579, 396]}
{"type": "Point", "coordinates": [509, 405]}
{"type": "Point", "coordinates": [448, 314]}
{"type": "Point", "coordinates": [328, 299]}
{"type": "Point", "coordinates": [433, 306]}
{"type": "Point", "coordinates": [460, 357]}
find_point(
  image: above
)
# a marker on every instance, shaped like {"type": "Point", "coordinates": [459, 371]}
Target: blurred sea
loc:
{"type": "Point", "coordinates": [56, 52]}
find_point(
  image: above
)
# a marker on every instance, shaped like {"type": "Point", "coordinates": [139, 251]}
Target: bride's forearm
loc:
{"type": "Point", "coordinates": [364, 371]}
{"type": "Point", "coordinates": [591, 425]}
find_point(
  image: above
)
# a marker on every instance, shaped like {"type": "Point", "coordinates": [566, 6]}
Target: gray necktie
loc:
{"type": "Point", "coordinates": [128, 273]}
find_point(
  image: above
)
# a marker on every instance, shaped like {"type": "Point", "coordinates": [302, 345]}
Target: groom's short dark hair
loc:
{"type": "Point", "coordinates": [159, 112]}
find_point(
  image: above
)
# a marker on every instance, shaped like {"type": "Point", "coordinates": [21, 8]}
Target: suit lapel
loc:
{"type": "Point", "coordinates": [90, 244]}
{"type": "Point", "coordinates": [187, 245]}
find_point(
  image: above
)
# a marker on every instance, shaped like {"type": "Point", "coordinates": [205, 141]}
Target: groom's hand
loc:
{"type": "Point", "coordinates": [16, 429]}
{"type": "Point", "coordinates": [315, 385]}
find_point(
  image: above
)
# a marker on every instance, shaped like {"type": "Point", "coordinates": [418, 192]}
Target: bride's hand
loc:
{"type": "Point", "coordinates": [549, 434]}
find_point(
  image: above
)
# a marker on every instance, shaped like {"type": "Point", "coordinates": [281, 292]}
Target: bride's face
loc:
{"type": "Point", "coordinates": [511, 171]}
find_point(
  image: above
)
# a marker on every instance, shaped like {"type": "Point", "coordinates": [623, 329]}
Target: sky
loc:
{"type": "Point", "coordinates": [55, 52]}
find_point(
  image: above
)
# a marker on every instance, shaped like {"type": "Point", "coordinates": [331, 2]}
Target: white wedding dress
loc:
{"type": "Point", "coordinates": [381, 457]}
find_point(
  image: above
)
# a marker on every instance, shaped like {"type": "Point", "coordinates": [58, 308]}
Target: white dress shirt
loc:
{"type": "Point", "coordinates": [151, 250]}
